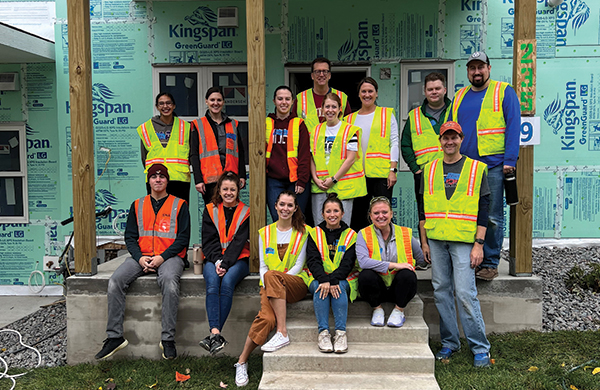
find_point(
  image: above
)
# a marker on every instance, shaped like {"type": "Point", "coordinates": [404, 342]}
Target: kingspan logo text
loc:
{"type": "Point", "coordinates": [101, 105]}
{"type": "Point", "coordinates": [200, 33]}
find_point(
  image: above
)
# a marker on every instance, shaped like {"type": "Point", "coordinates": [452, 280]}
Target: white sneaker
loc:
{"type": "Point", "coordinates": [396, 319]}
{"type": "Point", "coordinates": [277, 341]}
{"type": "Point", "coordinates": [340, 342]}
{"type": "Point", "coordinates": [241, 374]}
{"type": "Point", "coordinates": [324, 342]}
{"type": "Point", "coordinates": [378, 317]}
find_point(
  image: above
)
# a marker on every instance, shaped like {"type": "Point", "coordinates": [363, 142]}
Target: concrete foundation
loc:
{"type": "Point", "coordinates": [508, 304]}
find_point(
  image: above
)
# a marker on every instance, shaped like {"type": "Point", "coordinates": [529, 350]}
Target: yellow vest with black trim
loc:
{"type": "Point", "coordinates": [306, 109]}
{"type": "Point", "coordinates": [293, 137]}
{"type": "Point", "coordinates": [377, 157]}
{"type": "Point", "coordinates": [268, 236]}
{"type": "Point", "coordinates": [403, 248]}
{"type": "Point", "coordinates": [425, 142]}
{"type": "Point", "coordinates": [353, 183]}
{"type": "Point", "coordinates": [175, 156]}
{"type": "Point", "coordinates": [454, 219]}
{"type": "Point", "coordinates": [346, 240]}
{"type": "Point", "coordinates": [491, 125]}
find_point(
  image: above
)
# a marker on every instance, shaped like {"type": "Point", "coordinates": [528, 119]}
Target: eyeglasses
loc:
{"type": "Point", "coordinates": [323, 72]}
{"type": "Point", "coordinates": [168, 104]}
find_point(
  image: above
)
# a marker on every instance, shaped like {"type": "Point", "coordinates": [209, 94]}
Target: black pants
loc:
{"type": "Point", "coordinates": [180, 189]}
{"type": "Point", "coordinates": [376, 186]}
{"type": "Point", "coordinates": [373, 290]}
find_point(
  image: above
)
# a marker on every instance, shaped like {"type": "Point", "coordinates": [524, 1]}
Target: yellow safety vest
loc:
{"type": "Point", "coordinates": [346, 240]}
{"type": "Point", "coordinates": [306, 109]}
{"type": "Point", "coordinates": [353, 184]}
{"type": "Point", "coordinates": [425, 141]}
{"type": "Point", "coordinates": [175, 156]}
{"type": "Point", "coordinates": [491, 125]}
{"type": "Point", "coordinates": [403, 248]}
{"type": "Point", "coordinates": [293, 136]}
{"type": "Point", "coordinates": [454, 219]}
{"type": "Point", "coordinates": [377, 157]}
{"type": "Point", "coordinates": [268, 235]}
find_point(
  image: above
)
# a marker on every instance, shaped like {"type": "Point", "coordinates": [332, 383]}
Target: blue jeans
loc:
{"type": "Point", "coordinates": [276, 187]}
{"type": "Point", "coordinates": [219, 291]}
{"type": "Point", "coordinates": [451, 274]}
{"type": "Point", "coordinates": [495, 230]}
{"type": "Point", "coordinates": [339, 306]}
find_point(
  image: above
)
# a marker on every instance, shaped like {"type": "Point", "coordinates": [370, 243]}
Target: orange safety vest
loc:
{"type": "Point", "coordinates": [293, 137]}
{"type": "Point", "coordinates": [157, 231]}
{"type": "Point", "coordinates": [210, 161]}
{"type": "Point", "coordinates": [217, 214]}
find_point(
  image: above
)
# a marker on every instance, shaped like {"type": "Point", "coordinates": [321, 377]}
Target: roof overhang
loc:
{"type": "Point", "coordinates": [20, 47]}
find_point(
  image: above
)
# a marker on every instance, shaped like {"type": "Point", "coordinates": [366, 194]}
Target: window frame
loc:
{"type": "Point", "coordinates": [22, 173]}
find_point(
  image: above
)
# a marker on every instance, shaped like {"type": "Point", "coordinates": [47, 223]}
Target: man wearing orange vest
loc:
{"type": "Point", "coordinates": [456, 199]}
{"type": "Point", "coordinates": [308, 103]}
{"type": "Point", "coordinates": [489, 113]}
{"type": "Point", "coordinates": [157, 237]}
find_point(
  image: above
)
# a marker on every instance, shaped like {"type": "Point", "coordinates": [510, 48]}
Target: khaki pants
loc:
{"type": "Point", "coordinates": [280, 286]}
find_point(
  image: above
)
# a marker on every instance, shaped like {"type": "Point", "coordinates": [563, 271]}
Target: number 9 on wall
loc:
{"type": "Point", "coordinates": [530, 130]}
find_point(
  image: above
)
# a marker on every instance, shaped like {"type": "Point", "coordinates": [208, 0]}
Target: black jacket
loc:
{"type": "Point", "coordinates": [314, 261]}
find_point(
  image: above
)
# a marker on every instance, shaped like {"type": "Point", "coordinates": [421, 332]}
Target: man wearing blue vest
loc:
{"type": "Point", "coordinates": [455, 198]}
{"type": "Point", "coordinates": [489, 114]}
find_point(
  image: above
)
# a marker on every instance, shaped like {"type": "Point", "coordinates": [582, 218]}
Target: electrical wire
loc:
{"type": "Point", "coordinates": [13, 377]}
{"type": "Point", "coordinates": [105, 166]}
{"type": "Point", "coordinates": [38, 287]}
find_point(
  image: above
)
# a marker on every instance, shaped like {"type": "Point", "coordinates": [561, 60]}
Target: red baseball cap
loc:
{"type": "Point", "coordinates": [451, 126]}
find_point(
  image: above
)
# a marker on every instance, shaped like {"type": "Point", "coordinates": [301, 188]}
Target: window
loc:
{"type": "Point", "coordinates": [13, 174]}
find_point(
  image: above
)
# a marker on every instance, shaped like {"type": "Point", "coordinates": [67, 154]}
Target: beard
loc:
{"type": "Point", "coordinates": [479, 84]}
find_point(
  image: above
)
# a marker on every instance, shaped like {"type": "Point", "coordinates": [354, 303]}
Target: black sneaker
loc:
{"type": "Point", "coordinates": [168, 348]}
{"type": "Point", "coordinates": [218, 343]}
{"type": "Point", "coordinates": [206, 343]}
{"type": "Point", "coordinates": [422, 266]}
{"type": "Point", "coordinates": [111, 346]}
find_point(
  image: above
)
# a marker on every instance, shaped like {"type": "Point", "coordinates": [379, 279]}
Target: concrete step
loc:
{"type": "Point", "coordinates": [409, 358]}
{"type": "Point", "coordinates": [415, 330]}
{"type": "Point", "coordinates": [304, 308]}
{"type": "Point", "coordinates": [345, 380]}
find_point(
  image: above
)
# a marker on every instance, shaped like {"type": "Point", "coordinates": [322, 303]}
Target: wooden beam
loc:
{"type": "Point", "coordinates": [524, 82]}
{"type": "Point", "coordinates": [82, 135]}
{"type": "Point", "coordinates": [255, 37]}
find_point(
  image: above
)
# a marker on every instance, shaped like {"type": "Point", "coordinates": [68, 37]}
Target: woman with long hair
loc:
{"type": "Point", "coordinates": [216, 146]}
{"type": "Point", "coordinates": [225, 232]}
{"type": "Point", "coordinates": [282, 252]}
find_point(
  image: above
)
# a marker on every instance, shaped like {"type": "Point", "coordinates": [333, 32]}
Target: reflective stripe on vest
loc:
{"type": "Point", "coordinates": [353, 183]}
{"type": "Point", "coordinates": [425, 142]}
{"type": "Point", "coordinates": [208, 150]}
{"type": "Point", "coordinates": [454, 219]}
{"type": "Point", "coordinates": [175, 156]}
{"type": "Point", "coordinates": [268, 236]}
{"type": "Point", "coordinates": [157, 231]}
{"type": "Point", "coordinates": [403, 237]}
{"type": "Point", "coordinates": [491, 125]}
{"type": "Point", "coordinates": [306, 109]}
{"type": "Point", "coordinates": [217, 215]}
{"type": "Point", "coordinates": [377, 156]}
{"type": "Point", "coordinates": [293, 133]}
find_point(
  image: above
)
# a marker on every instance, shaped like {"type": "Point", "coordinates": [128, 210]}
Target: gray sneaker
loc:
{"type": "Point", "coordinates": [340, 342]}
{"type": "Point", "coordinates": [324, 342]}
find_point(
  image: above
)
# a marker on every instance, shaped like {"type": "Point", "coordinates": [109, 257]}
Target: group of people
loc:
{"type": "Point", "coordinates": [458, 151]}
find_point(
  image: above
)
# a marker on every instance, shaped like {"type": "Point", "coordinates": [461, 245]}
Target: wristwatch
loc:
{"type": "Point", "coordinates": [479, 241]}
{"type": "Point", "coordinates": [395, 170]}
{"type": "Point", "coordinates": [334, 180]}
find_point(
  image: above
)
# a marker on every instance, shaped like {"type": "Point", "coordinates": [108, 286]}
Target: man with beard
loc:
{"type": "Point", "coordinates": [489, 114]}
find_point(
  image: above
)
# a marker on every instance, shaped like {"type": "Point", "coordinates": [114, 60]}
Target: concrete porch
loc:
{"type": "Point", "coordinates": [508, 304]}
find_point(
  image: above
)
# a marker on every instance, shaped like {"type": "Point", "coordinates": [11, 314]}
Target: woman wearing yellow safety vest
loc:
{"type": "Point", "coordinates": [385, 254]}
{"type": "Point", "coordinates": [337, 164]}
{"type": "Point", "coordinates": [288, 152]}
{"type": "Point", "coordinates": [282, 251]}
{"type": "Point", "coordinates": [379, 141]}
{"type": "Point", "coordinates": [330, 258]}
{"type": "Point", "coordinates": [225, 231]}
{"type": "Point", "coordinates": [165, 139]}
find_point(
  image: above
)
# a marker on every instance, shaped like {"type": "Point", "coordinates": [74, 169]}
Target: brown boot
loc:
{"type": "Point", "coordinates": [488, 274]}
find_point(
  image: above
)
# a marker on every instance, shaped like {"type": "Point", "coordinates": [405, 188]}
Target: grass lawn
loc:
{"type": "Point", "coordinates": [525, 360]}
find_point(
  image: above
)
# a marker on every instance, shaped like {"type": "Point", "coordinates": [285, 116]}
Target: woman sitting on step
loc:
{"type": "Point", "coordinates": [225, 231]}
{"type": "Point", "coordinates": [282, 252]}
{"type": "Point", "coordinates": [385, 254]}
{"type": "Point", "coordinates": [330, 258]}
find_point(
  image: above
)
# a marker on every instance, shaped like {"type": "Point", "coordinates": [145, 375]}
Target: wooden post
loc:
{"type": "Point", "coordinates": [524, 82]}
{"type": "Point", "coordinates": [255, 37]}
{"type": "Point", "coordinates": [82, 135]}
